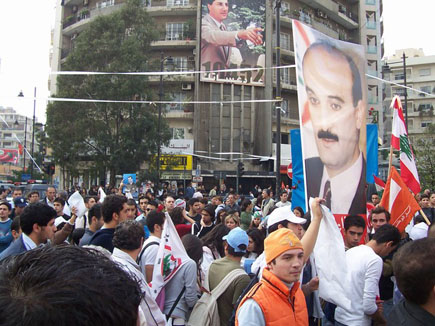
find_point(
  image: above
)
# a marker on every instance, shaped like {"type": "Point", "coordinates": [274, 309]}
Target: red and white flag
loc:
{"type": "Point", "coordinates": [400, 141]}
{"type": "Point", "coordinates": [399, 201]}
{"type": "Point", "coordinates": [379, 183]}
{"type": "Point", "coordinates": [170, 256]}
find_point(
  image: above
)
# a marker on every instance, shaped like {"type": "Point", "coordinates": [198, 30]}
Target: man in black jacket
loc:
{"type": "Point", "coordinates": [114, 210]}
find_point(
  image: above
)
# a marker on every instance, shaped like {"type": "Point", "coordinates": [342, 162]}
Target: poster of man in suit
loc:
{"type": "Point", "coordinates": [332, 104]}
{"type": "Point", "coordinates": [232, 37]}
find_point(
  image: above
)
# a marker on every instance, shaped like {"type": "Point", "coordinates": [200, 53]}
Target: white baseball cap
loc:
{"type": "Point", "coordinates": [284, 214]}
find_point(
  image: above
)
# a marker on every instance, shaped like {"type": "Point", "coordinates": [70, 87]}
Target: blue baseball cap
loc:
{"type": "Point", "coordinates": [237, 237]}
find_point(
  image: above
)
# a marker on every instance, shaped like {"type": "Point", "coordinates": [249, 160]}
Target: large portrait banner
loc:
{"type": "Point", "coordinates": [232, 39]}
{"type": "Point", "coordinates": [332, 95]}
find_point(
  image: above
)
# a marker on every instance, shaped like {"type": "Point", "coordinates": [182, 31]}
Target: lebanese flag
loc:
{"type": "Point", "coordinates": [170, 257]}
{"type": "Point", "coordinates": [399, 201]}
{"type": "Point", "coordinates": [379, 183]}
{"type": "Point", "coordinates": [400, 141]}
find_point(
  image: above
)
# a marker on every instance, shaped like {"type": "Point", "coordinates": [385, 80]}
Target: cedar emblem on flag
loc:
{"type": "Point", "coordinates": [399, 201]}
{"type": "Point", "coordinates": [400, 141]}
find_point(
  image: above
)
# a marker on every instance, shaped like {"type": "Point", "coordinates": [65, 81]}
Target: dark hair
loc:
{"type": "Point", "coordinates": [33, 282]}
{"type": "Point", "coordinates": [154, 217]}
{"type": "Point", "coordinates": [218, 198]}
{"type": "Point", "coordinates": [258, 237]}
{"type": "Point", "coordinates": [213, 239]}
{"type": "Point", "coordinates": [112, 204]}
{"type": "Point", "coordinates": [17, 189]}
{"type": "Point", "coordinates": [88, 198]}
{"type": "Point", "coordinates": [232, 252]}
{"type": "Point", "coordinates": [380, 210]}
{"type": "Point", "coordinates": [300, 210]}
{"type": "Point", "coordinates": [423, 195]}
{"type": "Point", "coordinates": [210, 209]}
{"type": "Point", "coordinates": [267, 191]}
{"type": "Point", "coordinates": [94, 211]}
{"type": "Point", "coordinates": [59, 200]}
{"type": "Point", "coordinates": [333, 50]}
{"type": "Point", "coordinates": [220, 215]}
{"type": "Point", "coordinates": [15, 225]}
{"type": "Point", "coordinates": [413, 269]}
{"type": "Point", "coordinates": [387, 233]}
{"type": "Point", "coordinates": [128, 235]}
{"type": "Point", "coordinates": [283, 192]}
{"type": "Point", "coordinates": [153, 203]}
{"type": "Point", "coordinates": [354, 220]}
{"type": "Point", "coordinates": [193, 246]}
{"type": "Point", "coordinates": [32, 193]}
{"type": "Point", "coordinates": [38, 213]}
{"type": "Point", "coordinates": [177, 215]}
{"type": "Point", "coordinates": [76, 235]}
{"type": "Point", "coordinates": [204, 201]}
{"type": "Point", "coordinates": [274, 227]}
{"type": "Point", "coordinates": [192, 202]}
{"type": "Point", "coordinates": [131, 202]}
{"type": "Point", "coordinates": [5, 203]}
{"type": "Point", "coordinates": [245, 204]}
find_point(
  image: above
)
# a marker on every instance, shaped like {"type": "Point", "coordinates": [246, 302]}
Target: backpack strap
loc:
{"type": "Point", "coordinates": [175, 303]}
{"type": "Point", "coordinates": [227, 280]}
{"type": "Point", "coordinates": [145, 248]}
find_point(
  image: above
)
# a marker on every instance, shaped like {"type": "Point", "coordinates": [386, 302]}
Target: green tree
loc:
{"type": "Point", "coordinates": [114, 137]}
{"type": "Point", "coordinates": [424, 155]}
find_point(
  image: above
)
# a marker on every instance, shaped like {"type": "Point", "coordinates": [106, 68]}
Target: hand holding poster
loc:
{"type": "Point", "coordinates": [331, 95]}
{"type": "Point", "coordinates": [232, 38]}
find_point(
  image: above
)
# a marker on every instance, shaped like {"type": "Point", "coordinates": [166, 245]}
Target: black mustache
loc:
{"type": "Point", "coordinates": [327, 134]}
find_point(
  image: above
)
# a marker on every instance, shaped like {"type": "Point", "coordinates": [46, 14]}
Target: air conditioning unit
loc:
{"type": "Point", "coordinates": [186, 87]}
{"type": "Point", "coordinates": [74, 9]}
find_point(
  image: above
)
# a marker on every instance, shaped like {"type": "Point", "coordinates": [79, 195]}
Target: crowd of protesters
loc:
{"type": "Point", "coordinates": [60, 268]}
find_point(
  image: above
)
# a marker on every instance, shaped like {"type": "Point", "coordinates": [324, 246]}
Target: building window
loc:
{"type": "Point", "coordinates": [426, 89]}
{"type": "Point", "coordinates": [424, 124]}
{"type": "Point", "coordinates": [174, 31]}
{"type": "Point", "coordinates": [7, 144]}
{"type": "Point", "coordinates": [104, 4]}
{"type": "Point", "coordinates": [285, 9]}
{"type": "Point", "coordinates": [398, 76]}
{"type": "Point", "coordinates": [424, 72]}
{"type": "Point", "coordinates": [180, 63]}
{"type": "Point", "coordinates": [7, 135]}
{"type": "Point", "coordinates": [176, 97]}
{"type": "Point", "coordinates": [425, 107]}
{"type": "Point", "coordinates": [177, 3]}
{"type": "Point", "coordinates": [177, 133]}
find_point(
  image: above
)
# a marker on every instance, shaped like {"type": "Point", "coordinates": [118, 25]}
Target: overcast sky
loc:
{"type": "Point", "coordinates": [25, 36]}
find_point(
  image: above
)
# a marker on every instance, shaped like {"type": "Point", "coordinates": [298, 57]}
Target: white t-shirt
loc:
{"type": "Point", "coordinates": [150, 254]}
{"type": "Point", "coordinates": [364, 268]}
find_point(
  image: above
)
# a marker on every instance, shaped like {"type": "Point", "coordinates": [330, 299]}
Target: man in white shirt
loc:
{"type": "Point", "coordinates": [128, 240]}
{"type": "Point", "coordinates": [283, 199]}
{"type": "Point", "coordinates": [148, 254]}
{"type": "Point", "coordinates": [364, 268]}
{"type": "Point", "coordinates": [336, 107]}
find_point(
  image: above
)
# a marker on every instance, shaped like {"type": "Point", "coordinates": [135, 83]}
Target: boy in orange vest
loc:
{"type": "Point", "coordinates": [278, 299]}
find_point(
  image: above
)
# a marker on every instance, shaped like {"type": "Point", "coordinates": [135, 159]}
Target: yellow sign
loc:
{"type": "Point", "coordinates": [176, 162]}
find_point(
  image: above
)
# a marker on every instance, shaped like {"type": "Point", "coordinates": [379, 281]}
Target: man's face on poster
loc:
{"type": "Point", "coordinates": [335, 117]}
{"type": "Point", "coordinates": [218, 9]}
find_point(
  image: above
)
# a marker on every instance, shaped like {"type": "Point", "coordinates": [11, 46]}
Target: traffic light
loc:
{"type": "Point", "coordinates": [240, 169]}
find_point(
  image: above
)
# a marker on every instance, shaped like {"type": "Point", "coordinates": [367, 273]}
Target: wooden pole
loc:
{"type": "Point", "coordinates": [390, 164]}
{"type": "Point", "coordinates": [425, 217]}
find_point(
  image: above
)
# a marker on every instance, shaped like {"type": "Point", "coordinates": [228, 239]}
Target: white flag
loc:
{"type": "Point", "coordinates": [170, 257]}
{"type": "Point", "coordinates": [330, 257]}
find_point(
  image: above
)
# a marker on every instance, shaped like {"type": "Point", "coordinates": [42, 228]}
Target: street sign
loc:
{"type": "Point", "coordinates": [197, 179]}
{"type": "Point", "coordinates": [290, 171]}
{"type": "Point", "coordinates": [25, 177]}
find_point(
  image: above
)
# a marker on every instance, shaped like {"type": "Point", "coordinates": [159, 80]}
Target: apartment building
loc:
{"type": "Point", "coordinates": [247, 128]}
{"type": "Point", "coordinates": [16, 129]}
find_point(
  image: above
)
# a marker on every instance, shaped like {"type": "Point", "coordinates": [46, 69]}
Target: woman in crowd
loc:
{"type": "Point", "coordinates": [232, 221]}
{"type": "Point", "coordinates": [179, 218]}
{"type": "Point", "coordinates": [220, 215]}
{"type": "Point", "coordinates": [256, 220]}
{"type": "Point", "coordinates": [255, 247]}
{"type": "Point", "coordinates": [246, 215]}
{"type": "Point", "coordinates": [184, 282]}
{"type": "Point", "coordinates": [298, 211]}
{"type": "Point", "coordinates": [213, 248]}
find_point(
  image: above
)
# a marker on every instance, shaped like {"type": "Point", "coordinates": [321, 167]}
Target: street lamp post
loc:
{"type": "Point", "coordinates": [278, 97]}
{"type": "Point", "coordinates": [33, 130]}
{"type": "Point", "coordinates": [25, 145]}
{"type": "Point", "coordinates": [162, 61]}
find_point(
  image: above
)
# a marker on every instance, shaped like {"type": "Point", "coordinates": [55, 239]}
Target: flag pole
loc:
{"type": "Point", "coordinates": [390, 163]}
{"type": "Point", "coordinates": [425, 217]}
